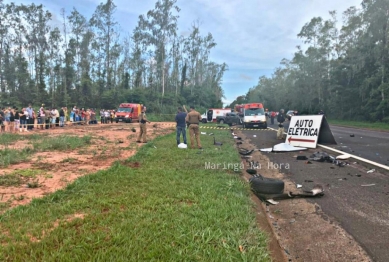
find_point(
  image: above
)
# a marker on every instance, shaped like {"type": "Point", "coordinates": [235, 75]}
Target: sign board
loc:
{"type": "Point", "coordinates": [307, 131]}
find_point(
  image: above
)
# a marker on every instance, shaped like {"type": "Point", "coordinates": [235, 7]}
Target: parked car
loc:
{"type": "Point", "coordinates": [289, 114]}
{"type": "Point", "coordinates": [231, 118]}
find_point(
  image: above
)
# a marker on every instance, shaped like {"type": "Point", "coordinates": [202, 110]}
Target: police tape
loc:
{"type": "Point", "coordinates": [18, 125]}
{"type": "Point", "coordinates": [218, 127]}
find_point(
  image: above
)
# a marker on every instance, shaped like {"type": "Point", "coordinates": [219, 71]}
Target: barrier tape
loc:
{"type": "Point", "coordinates": [76, 123]}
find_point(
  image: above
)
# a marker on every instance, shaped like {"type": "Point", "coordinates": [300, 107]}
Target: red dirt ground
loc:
{"type": "Point", "coordinates": [110, 142]}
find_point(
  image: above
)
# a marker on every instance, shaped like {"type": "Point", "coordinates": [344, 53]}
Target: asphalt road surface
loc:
{"type": "Point", "coordinates": [356, 199]}
{"type": "Point", "coordinates": [372, 145]}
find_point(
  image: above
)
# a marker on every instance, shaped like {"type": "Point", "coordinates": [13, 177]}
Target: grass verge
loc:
{"type": "Point", "coordinates": [9, 156]}
{"type": "Point", "coordinates": [359, 124]}
{"type": "Point", "coordinates": [162, 204]}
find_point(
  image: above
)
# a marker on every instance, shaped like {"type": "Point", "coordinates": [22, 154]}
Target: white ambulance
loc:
{"type": "Point", "coordinates": [212, 113]}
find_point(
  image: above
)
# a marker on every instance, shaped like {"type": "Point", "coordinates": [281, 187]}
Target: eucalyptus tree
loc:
{"type": "Point", "coordinates": [106, 37]}
{"type": "Point", "coordinates": [155, 31]}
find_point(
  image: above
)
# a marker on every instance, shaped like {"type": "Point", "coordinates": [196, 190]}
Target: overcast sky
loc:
{"type": "Point", "coordinates": [252, 36]}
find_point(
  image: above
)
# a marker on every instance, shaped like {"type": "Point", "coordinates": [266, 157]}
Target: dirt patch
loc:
{"type": "Point", "coordinates": [54, 170]}
{"type": "Point", "coordinates": [303, 231]}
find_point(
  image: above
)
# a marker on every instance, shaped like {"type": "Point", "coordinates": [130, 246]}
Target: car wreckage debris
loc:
{"type": "Point", "coordinates": [245, 152]}
{"type": "Point", "coordinates": [324, 157]}
{"type": "Point", "coordinates": [317, 191]}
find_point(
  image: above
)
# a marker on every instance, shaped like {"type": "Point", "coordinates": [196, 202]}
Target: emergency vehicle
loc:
{"type": "Point", "coordinates": [254, 115]}
{"type": "Point", "coordinates": [128, 112]}
{"type": "Point", "coordinates": [212, 113]}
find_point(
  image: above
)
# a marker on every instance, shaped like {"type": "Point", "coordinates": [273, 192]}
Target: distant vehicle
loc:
{"type": "Point", "coordinates": [231, 118]}
{"type": "Point", "coordinates": [128, 112]}
{"type": "Point", "coordinates": [212, 114]}
{"type": "Point", "coordinates": [254, 115]}
{"type": "Point", "coordinates": [289, 114]}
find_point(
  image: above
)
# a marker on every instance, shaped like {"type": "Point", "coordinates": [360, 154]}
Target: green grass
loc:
{"type": "Point", "coordinates": [61, 143]}
{"type": "Point", "coordinates": [13, 156]}
{"type": "Point", "coordinates": [160, 205]}
{"type": "Point", "coordinates": [9, 138]}
{"type": "Point", "coordinates": [18, 177]}
{"type": "Point", "coordinates": [9, 156]}
{"type": "Point", "coordinates": [161, 117]}
{"type": "Point", "coordinates": [360, 124]}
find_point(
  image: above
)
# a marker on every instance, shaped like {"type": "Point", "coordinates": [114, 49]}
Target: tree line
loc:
{"type": "Point", "coordinates": [343, 70]}
{"type": "Point", "coordinates": [86, 62]}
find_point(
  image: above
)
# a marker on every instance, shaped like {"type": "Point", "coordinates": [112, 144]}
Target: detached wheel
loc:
{"type": "Point", "coordinates": [264, 185]}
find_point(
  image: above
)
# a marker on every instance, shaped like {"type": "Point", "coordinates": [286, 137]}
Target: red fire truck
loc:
{"type": "Point", "coordinates": [128, 112]}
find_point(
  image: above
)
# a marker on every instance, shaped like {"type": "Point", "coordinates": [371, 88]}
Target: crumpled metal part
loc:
{"type": "Point", "coordinates": [324, 157]}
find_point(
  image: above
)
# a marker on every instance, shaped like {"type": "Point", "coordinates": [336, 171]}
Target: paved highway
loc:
{"type": "Point", "coordinates": [361, 210]}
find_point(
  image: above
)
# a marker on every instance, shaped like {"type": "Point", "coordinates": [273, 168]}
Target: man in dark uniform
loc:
{"type": "Point", "coordinates": [143, 128]}
{"type": "Point", "coordinates": [280, 120]}
{"type": "Point", "coordinates": [194, 118]}
{"type": "Point", "coordinates": [181, 125]}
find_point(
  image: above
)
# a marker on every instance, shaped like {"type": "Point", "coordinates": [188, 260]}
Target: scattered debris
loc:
{"type": "Point", "coordinates": [369, 185]}
{"type": "Point", "coordinates": [343, 157]}
{"type": "Point", "coordinates": [308, 181]}
{"type": "Point", "coordinates": [271, 201]}
{"type": "Point", "coordinates": [211, 134]}
{"type": "Point", "coordinates": [298, 186]}
{"type": "Point", "coordinates": [245, 152]}
{"type": "Point", "coordinates": [254, 135]}
{"type": "Point", "coordinates": [246, 157]}
{"type": "Point", "coordinates": [251, 171]}
{"type": "Point", "coordinates": [317, 189]}
{"type": "Point", "coordinates": [239, 143]}
{"type": "Point", "coordinates": [324, 157]}
{"type": "Point", "coordinates": [302, 158]}
{"type": "Point", "coordinates": [308, 162]}
{"type": "Point", "coordinates": [182, 145]}
{"type": "Point", "coordinates": [283, 147]}
{"type": "Point", "coordinates": [216, 143]}
{"type": "Point", "coordinates": [351, 135]}
{"type": "Point", "coordinates": [370, 171]}
{"type": "Point", "coordinates": [133, 129]}
{"type": "Point", "coordinates": [203, 133]}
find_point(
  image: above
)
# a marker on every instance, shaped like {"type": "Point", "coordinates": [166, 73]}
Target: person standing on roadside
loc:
{"type": "Point", "coordinates": [280, 120]}
{"type": "Point", "coordinates": [30, 118]}
{"type": "Point", "coordinates": [272, 116]}
{"type": "Point", "coordinates": [143, 128]}
{"type": "Point", "coordinates": [181, 125]}
{"type": "Point", "coordinates": [194, 118]}
{"type": "Point", "coordinates": [61, 117]}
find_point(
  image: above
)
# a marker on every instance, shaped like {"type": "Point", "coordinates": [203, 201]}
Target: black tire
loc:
{"type": "Point", "coordinates": [264, 185]}
{"type": "Point", "coordinates": [265, 126]}
{"type": "Point", "coordinates": [204, 121]}
{"type": "Point", "coordinates": [117, 121]}
{"type": "Point", "coordinates": [130, 120]}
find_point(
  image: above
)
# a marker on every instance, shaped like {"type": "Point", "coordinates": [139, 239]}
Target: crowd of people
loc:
{"type": "Point", "coordinates": [14, 119]}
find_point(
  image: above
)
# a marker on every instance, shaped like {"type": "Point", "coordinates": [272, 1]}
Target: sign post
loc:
{"type": "Point", "coordinates": [307, 131]}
